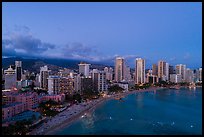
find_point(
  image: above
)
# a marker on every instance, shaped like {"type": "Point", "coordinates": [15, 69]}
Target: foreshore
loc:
{"type": "Point", "coordinates": [73, 113]}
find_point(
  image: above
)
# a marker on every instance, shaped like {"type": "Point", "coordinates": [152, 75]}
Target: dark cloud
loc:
{"type": "Point", "coordinates": [21, 42]}
{"type": "Point", "coordinates": [25, 45]}
{"type": "Point", "coordinates": [78, 50]}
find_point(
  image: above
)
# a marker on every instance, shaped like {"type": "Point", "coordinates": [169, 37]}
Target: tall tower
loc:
{"type": "Point", "coordinates": [200, 74]}
{"type": "Point", "coordinates": [43, 77]}
{"type": "Point", "coordinates": [139, 70]}
{"type": "Point", "coordinates": [167, 71]}
{"type": "Point", "coordinates": [189, 75]}
{"type": "Point", "coordinates": [181, 69]}
{"type": "Point", "coordinates": [84, 69]}
{"type": "Point", "coordinates": [10, 78]}
{"type": "Point", "coordinates": [163, 70]}
{"type": "Point", "coordinates": [53, 84]}
{"type": "Point", "coordinates": [154, 69]}
{"type": "Point", "coordinates": [119, 69]}
{"type": "Point", "coordinates": [18, 67]}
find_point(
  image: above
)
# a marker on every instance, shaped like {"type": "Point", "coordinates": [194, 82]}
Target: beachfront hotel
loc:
{"type": "Point", "coordinates": [163, 70]}
{"type": "Point", "coordinates": [139, 70]}
{"type": "Point", "coordinates": [43, 77]}
{"type": "Point", "coordinates": [119, 69]}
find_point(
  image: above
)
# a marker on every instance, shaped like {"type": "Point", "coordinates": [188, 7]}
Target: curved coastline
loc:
{"type": "Point", "coordinates": [91, 108]}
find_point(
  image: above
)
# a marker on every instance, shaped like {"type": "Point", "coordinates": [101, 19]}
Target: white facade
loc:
{"type": "Point", "coordinates": [77, 83]}
{"type": "Point", "coordinates": [37, 80]}
{"type": "Point", "coordinates": [175, 78]}
{"type": "Point", "coordinates": [139, 70]}
{"type": "Point", "coordinates": [99, 80]}
{"type": "Point", "coordinates": [84, 69]}
{"type": "Point", "coordinates": [108, 73]}
{"type": "Point", "coordinates": [163, 70]}
{"type": "Point", "coordinates": [127, 74]}
{"type": "Point", "coordinates": [10, 81]}
{"type": "Point", "coordinates": [181, 69]}
{"type": "Point", "coordinates": [102, 81]}
{"type": "Point", "coordinates": [10, 78]}
{"type": "Point", "coordinates": [200, 74]}
{"type": "Point", "coordinates": [124, 86]}
{"type": "Point", "coordinates": [167, 71]}
{"type": "Point", "coordinates": [53, 85]}
{"type": "Point", "coordinates": [189, 77]}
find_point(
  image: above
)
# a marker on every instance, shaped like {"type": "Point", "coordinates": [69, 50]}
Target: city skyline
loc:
{"type": "Point", "coordinates": [74, 31]}
{"type": "Point", "coordinates": [102, 68]}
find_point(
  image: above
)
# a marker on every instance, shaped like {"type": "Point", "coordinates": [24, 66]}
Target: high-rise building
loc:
{"type": "Point", "coordinates": [171, 69]}
{"type": "Point", "coordinates": [77, 83]}
{"type": "Point", "coordinates": [43, 77]}
{"type": "Point", "coordinates": [163, 70]}
{"type": "Point", "coordinates": [189, 75]}
{"type": "Point", "coordinates": [127, 73]}
{"type": "Point", "coordinates": [139, 70]}
{"type": "Point", "coordinates": [18, 66]}
{"type": "Point", "coordinates": [154, 69]}
{"type": "Point", "coordinates": [10, 78]}
{"type": "Point", "coordinates": [86, 84]}
{"type": "Point", "coordinates": [175, 78]}
{"type": "Point", "coordinates": [95, 78]}
{"type": "Point", "coordinates": [200, 74]}
{"type": "Point", "coordinates": [53, 85]}
{"type": "Point", "coordinates": [119, 69]}
{"type": "Point", "coordinates": [66, 85]}
{"type": "Point", "coordinates": [84, 69]}
{"type": "Point", "coordinates": [37, 80]}
{"type": "Point", "coordinates": [99, 80]}
{"type": "Point", "coordinates": [109, 73]}
{"type": "Point", "coordinates": [167, 71]}
{"type": "Point", "coordinates": [3, 76]}
{"type": "Point", "coordinates": [181, 69]}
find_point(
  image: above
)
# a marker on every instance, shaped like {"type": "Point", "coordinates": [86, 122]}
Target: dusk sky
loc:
{"type": "Point", "coordinates": [102, 31]}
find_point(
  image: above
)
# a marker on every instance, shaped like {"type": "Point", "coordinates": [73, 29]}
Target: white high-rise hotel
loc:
{"type": "Point", "coordinates": [84, 69]}
{"type": "Point", "coordinates": [53, 84]}
{"type": "Point", "coordinates": [139, 70]}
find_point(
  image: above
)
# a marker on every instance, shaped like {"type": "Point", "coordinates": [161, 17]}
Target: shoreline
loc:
{"type": "Point", "coordinates": [96, 103]}
{"type": "Point", "coordinates": [68, 122]}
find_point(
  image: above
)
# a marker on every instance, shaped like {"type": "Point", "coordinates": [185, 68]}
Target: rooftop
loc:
{"type": "Point", "coordinates": [24, 115]}
{"type": "Point", "coordinates": [12, 104]}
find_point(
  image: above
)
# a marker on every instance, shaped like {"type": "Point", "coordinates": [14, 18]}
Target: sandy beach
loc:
{"type": "Point", "coordinates": [73, 113]}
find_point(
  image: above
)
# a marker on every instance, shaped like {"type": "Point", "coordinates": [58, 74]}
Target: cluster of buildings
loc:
{"type": "Point", "coordinates": [162, 71]}
{"type": "Point", "coordinates": [67, 81]}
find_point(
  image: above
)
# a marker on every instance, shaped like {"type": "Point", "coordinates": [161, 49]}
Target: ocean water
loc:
{"type": "Point", "coordinates": [161, 112]}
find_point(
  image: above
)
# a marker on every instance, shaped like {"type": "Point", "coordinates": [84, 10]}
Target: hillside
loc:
{"type": "Point", "coordinates": [34, 65]}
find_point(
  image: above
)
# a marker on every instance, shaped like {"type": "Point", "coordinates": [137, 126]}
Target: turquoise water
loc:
{"type": "Point", "coordinates": [160, 112]}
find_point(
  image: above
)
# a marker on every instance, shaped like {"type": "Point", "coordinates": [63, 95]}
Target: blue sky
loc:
{"type": "Point", "coordinates": [101, 31]}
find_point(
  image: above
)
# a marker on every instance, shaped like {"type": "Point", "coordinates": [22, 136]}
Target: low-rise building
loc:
{"type": "Point", "coordinates": [123, 85]}
{"type": "Point", "coordinates": [57, 98]}
{"type": "Point", "coordinates": [10, 110]}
